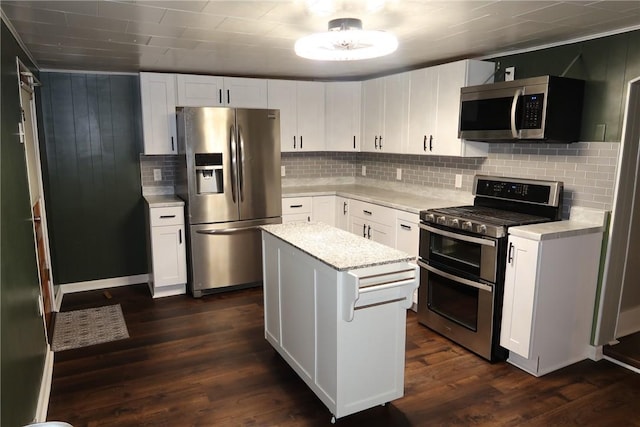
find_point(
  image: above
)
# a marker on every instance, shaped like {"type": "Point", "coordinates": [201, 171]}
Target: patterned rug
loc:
{"type": "Point", "coordinates": [82, 328]}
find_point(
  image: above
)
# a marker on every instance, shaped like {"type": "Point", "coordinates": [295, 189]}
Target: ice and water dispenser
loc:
{"type": "Point", "coordinates": [209, 173]}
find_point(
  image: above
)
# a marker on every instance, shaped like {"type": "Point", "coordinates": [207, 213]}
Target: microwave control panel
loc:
{"type": "Point", "coordinates": [532, 117]}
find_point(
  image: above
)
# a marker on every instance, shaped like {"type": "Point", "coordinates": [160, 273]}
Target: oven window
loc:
{"type": "Point", "coordinates": [456, 302]}
{"type": "Point", "coordinates": [458, 254]}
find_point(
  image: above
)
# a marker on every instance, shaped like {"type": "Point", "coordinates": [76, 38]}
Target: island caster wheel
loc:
{"type": "Point", "coordinates": [333, 420]}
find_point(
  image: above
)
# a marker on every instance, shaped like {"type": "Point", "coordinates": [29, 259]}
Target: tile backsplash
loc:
{"type": "Point", "coordinates": [586, 168]}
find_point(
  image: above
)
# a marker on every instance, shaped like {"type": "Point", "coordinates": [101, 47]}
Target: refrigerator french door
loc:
{"type": "Point", "coordinates": [231, 186]}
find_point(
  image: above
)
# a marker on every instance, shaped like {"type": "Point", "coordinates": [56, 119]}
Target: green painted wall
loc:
{"type": "Point", "coordinates": [91, 138]}
{"type": "Point", "coordinates": [23, 342]}
{"type": "Point", "coordinates": [606, 64]}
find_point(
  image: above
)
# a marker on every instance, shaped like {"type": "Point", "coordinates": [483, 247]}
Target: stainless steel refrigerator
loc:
{"type": "Point", "coordinates": [229, 178]}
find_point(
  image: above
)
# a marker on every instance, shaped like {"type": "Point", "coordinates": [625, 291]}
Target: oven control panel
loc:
{"type": "Point", "coordinates": [464, 224]}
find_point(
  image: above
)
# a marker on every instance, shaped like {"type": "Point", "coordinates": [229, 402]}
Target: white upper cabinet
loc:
{"type": "Point", "coordinates": [385, 113]}
{"type": "Point", "coordinates": [158, 99]}
{"type": "Point", "coordinates": [342, 112]}
{"type": "Point", "coordinates": [451, 78]}
{"type": "Point", "coordinates": [302, 114]}
{"type": "Point", "coordinates": [423, 100]}
{"type": "Point", "coordinates": [213, 91]}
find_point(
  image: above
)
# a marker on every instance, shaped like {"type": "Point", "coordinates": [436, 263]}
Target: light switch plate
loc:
{"type": "Point", "coordinates": [399, 174]}
{"type": "Point", "coordinates": [282, 171]}
{"type": "Point", "coordinates": [157, 174]}
{"type": "Point", "coordinates": [458, 180]}
{"type": "Point", "coordinates": [509, 74]}
{"type": "Point", "coordinates": [364, 170]}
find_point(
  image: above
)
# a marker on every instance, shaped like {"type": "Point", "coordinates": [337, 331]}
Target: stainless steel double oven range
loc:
{"type": "Point", "coordinates": [463, 254]}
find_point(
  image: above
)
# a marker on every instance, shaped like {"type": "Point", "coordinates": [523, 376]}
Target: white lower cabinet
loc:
{"type": "Point", "coordinates": [168, 262]}
{"type": "Point", "coordinates": [408, 238]}
{"type": "Point", "coordinates": [549, 297]}
{"type": "Point", "coordinates": [323, 209]}
{"type": "Point", "coordinates": [373, 222]}
{"type": "Point", "coordinates": [342, 213]}
{"type": "Point", "coordinates": [297, 209]}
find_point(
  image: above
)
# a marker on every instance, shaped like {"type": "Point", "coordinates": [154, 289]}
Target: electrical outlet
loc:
{"type": "Point", "coordinates": [157, 174]}
{"type": "Point", "coordinates": [282, 171]}
{"type": "Point", "coordinates": [364, 170]}
{"type": "Point", "coordinates": [458, 180]}
{"type": "Point", "coordinates": [399, 174]}
{"type": "Point", "coordinates": [509, 74]}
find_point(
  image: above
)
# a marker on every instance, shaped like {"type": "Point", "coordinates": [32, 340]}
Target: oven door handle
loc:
{"type": "Point", "coordinates": [456, 279]}
{"type": "Point", "coordinates": [463, 237]}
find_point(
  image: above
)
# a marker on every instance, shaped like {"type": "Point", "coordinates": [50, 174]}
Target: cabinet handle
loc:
{"type": "Point", "coordinates": [308, 219]}
{"type": "Point", "coordinates": [167, 216]}
{"type": "Point", "coordinates": [405, 227]}
{"type": "Point", "coordinates": [375, 142]}
{"type": "Point", "coordinates": [228, 97]}
{"type": "Point", "coordinates": [424, 143]}
{"type": "Point", "coordinates": [354, 142]}
{"type": "Point", "coordinates": [364, 230]}
{"type": "Point", "coordinates": [220, 96]}
{"type": "Point", "coordinates": [300, 141]}
{"type": "Point", "coordinates": [295, 206]}
{"type": "Point", "coordinates": [344, 208]}
{"type": "Point", "coordinates": [430, 142]}
{"type": "Point", "coordinates": [294, 141]}
{"type": "Point", "coordinates": [381, 142]}
{"type": "Point", "coordinates": [366, 212]}
{"type": "Point", "coordinates": [510, 254]}
{"type": "Point", "coordinates": [172, 146]}
{"type": "Point", "coordinates": [369, 232]}
{"type": "Point", "coordinates": [180, 236]}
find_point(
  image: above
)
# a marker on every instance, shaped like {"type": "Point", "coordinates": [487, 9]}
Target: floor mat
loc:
{"type": "Point", "coordinates": [82, 328]}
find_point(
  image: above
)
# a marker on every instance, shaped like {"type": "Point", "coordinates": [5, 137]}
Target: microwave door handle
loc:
{"type": "Point", "coordinates": [514, 104]}
{"type": "Point", "coordinates": [232, 146]}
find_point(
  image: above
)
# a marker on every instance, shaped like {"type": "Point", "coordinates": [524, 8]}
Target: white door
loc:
{"type": "Point", "coordinates": [168, 252]}
{"type": "Point", "coordinates": [372, 114]}
{"type": "Point", "coordinates": [199, 91]}
{"type": "Point", "coordinates": [396, 102]}
{"type": "Point", "coordinates": [423, 99]}
{"type": "Point", "coordinates": [343, 110]}
{"type": "Point", "coordinates": [282, 96]}
{"type": "Point", "coordinates": [245, 93]}
{"type": "Point", "coordinates": [158, 98]}
{"type": "Point", "coordinates": [310, 105]}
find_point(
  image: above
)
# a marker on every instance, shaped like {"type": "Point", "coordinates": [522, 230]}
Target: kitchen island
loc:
{"type": "Point", "coordinates": [335, 309]}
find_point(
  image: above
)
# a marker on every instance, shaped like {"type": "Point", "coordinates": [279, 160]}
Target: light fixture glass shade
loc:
{"type": "Point", "coordinates": [346, 41]}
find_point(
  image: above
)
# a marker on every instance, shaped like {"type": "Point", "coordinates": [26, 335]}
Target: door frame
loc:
{"type": "Point", "coordinates": [624, 205]}
{"type": "Point", "coordinates": [28, 82]}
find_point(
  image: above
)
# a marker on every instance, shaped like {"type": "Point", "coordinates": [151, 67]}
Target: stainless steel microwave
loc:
{"type": "Point", "coordinates": [545, 109]}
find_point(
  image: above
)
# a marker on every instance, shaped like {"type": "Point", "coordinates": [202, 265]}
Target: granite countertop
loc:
{"type": "Point", "coordinates": [408, 202]}
{"type": "Point", "coordinates": [581, 221]}
{"type": "Point", "coordinates": [337, 248]}
{"type": "Point", "coordinates": [163, 200]}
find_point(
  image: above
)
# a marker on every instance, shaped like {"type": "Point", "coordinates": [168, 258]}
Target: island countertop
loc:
{"type": "Point", "coordinates": [337, 248]}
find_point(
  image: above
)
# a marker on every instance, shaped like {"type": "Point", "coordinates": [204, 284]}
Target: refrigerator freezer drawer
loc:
{"type": "Point", "coordinates": [226, 254]}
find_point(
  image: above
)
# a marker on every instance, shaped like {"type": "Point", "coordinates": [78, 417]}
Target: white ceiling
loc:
{"type": "Point", "coordinates": [256, 38]}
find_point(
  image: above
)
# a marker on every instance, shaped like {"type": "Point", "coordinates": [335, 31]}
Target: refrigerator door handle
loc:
{"type": "Point", "coordinates": [234, 178]}
{"type": "Point", "coordinates": [227, 230]}
{"type": "Point", "coordinates": [241, 163]}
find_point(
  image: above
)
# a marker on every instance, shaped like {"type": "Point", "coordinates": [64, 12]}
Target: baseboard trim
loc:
{"type": "Point", "coordinates": [45, 387]}
{"type": "Point", "coordinates": [628, 322]}
{"type": "Point", "coordinates": [92, 285]}
{"type": "Point", "coordinates": [594, 352]}
{"type": "Point", "coordinates": [619, 363]}
{"type": "Point", "coordinates": [57, 301]}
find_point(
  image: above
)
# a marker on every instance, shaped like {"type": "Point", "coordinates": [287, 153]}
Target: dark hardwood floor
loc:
{"type": "Point", "coordinates": [627, 350]}
{"type": "Point", "coordinates": [205, 362]}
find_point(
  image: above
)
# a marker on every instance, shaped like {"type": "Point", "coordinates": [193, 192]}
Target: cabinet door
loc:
{"type": "Point", "coordinates": [396, 105]}
{"type": "Point", "coordinates": [310, 106]}
{"type": "Point", "coordinates": [342, 213]}
{"type": "Point", "coordinates": [382, 233]}
{"type": "Point", "coordinates": [168, 255]}
{"type": "Point", "coordinates": [282, 96]}
{"type": "Point", "coordinates": [358, 226]}
{"type": "Point", "coordinates": [324, 209]}
{"type": "Point", "coordinates": [158, 98]}
{"type": "Point", "coordinates": [423, 99]}
{"type": "Point", "coordinates": [245, 93]}
{"type": "Point", "coordinates": [372, 114]}
{"type": "Point", "coordinates": [199, 91]}
{"type": "Point", "coordinates": [296, 218]}
{"type": "Point", "coordinates": [519, 295]}
{"type": "Point", "coordinates": [342, 110]}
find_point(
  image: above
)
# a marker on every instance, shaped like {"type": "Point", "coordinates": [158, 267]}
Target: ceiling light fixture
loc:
{"type": "Point", "coordinates": [346, 41]}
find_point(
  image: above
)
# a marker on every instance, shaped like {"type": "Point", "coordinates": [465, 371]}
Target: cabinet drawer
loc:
{"type": "Point", "coordinates": [166, 216]}
{"type": "Point", "coordinates": [296, 205]}
{"type": "Point", "coordinates": [371, 212]}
